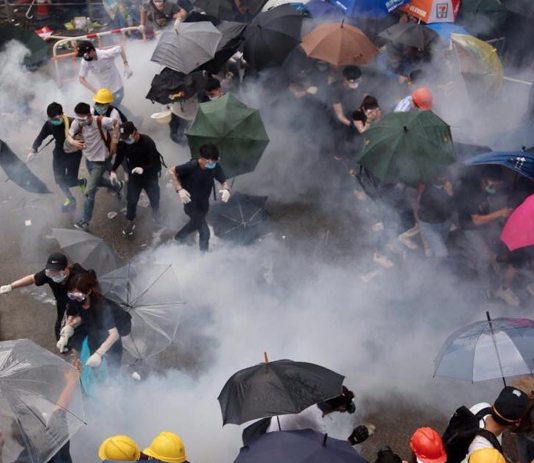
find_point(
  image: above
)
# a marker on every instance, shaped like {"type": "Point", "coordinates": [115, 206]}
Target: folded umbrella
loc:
{"type": "Point", "coordinates": [410, 34]}
{"type": "Point", "coordinates": [339, 44]}
{"type": "Point", "coordinates": [432, 11]}
{"type": "Point", "coordinates": [236, 129]}
{"type": "Point", "coordinates": [271, 36]}
{"type": "Point", "coordinates": [304, 446]}
{"type": "Point", "coordinates": [411, 147]}
{"type": "Point", "coordinates": [88, 250]}
{"type": "Point", "coordinates": [521, 162]}
{"type": "Point", "coordinates": [150, 294]}
{"type": "Point", "coordinates": [518, 232]}
{"type": "Point", "coordinates": [17, 171]}
{"type": "Point", "coordinates": [194, 44]}
{"type": "Point", "coordinates": [276, 388]}
{"type": "Point", "coordinates": [494, 348]}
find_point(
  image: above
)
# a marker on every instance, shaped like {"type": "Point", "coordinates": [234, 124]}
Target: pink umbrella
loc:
{"type": "Point", "coordinates": [519, 229]}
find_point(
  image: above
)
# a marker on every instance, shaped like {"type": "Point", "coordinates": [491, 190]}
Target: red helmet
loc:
{"type": "Point", "coordinates": [427, 446]}
{"type": "Point", "coordinates": [422, 98]}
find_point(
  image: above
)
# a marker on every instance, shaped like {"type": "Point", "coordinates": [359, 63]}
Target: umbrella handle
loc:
{"type": "Point", "coordinates": [495, 345]}
{"type": "Point", "coordinates": [266, 357]}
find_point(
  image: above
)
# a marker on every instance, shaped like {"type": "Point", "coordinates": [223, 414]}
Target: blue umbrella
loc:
{"type": "Point", "coordinates": [519, 161]}
{"type": "Point", "coordinates": [369, 8]}
{"type": "Point", "coordinates": [446, 29]}
{"type": "Point", "coordinates": [305, 446]}
{"type": "Point", "coordinates": [494, 348]}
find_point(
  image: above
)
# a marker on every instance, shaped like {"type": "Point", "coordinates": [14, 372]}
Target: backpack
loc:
{"type": "Point", "coordinates": [123, 320]}
{"type": "Point", "coordinates": [121, 115]}
{"type": "Point", "coordinates": [463, 427]}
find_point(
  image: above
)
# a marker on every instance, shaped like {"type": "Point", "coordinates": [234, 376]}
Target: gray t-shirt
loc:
{"type": "Point", "coordinates": [164, 16]}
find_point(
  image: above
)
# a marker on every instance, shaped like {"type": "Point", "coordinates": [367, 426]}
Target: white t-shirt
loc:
{"type": "Point", "coordinates": [480, 442]}
{"type": "Point", "coordinates": [309, 418]}
{"type": "Point", "coordinates": [104, 69]}
{"type": "Point", "coordinates": [96, 150]}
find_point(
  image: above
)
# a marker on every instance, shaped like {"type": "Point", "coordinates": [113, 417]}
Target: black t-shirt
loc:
{"type": "Point", "coordinates": [59, 289]}
{"type": "Point", "coordinates": [350, 99]}
{"type": "Point", "coordinates": [142, 153]}
{"type": "Point", "coordinates": [57, 131]}
{"type": "Point", "coordinates": [435, 205]}
{"type": "Point", "coordinates": [199, 182]}
{"type": "Point", "coordinates": [471, 202]}
{"type": "Point", "coordinates": [97, 321]}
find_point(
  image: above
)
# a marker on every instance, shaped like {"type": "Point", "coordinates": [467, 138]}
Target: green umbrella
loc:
{"type": "Point", "coordinates": [236, 129]}
{"type": "Point", "coordinates": [28, 37]}
{"type": "Point", "coordinates": [411, 147]}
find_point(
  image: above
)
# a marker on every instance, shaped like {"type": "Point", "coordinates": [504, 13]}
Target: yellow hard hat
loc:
{"type": "Point", "coordinates": [167, 447]}
{"type": "Point", "coordinates": [119, 448]}
{"type": "Point", "coordinates": [487, 456]}
{"type": "Point", "coordinates": [103, 96]}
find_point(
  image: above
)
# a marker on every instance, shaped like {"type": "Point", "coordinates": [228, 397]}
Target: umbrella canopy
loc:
{"type": "Point", "coordinates": [170, 86]}
{"type": "Point", "coordinates": [40, 399]}
{"type": "Point", "coordinates": [88, 250]}
{"type": "Point", "coordinates": [271, 36]}
{"type": "Point", "coordinates": [487, 350]}
{"type": "Point", "coordinates": [29, 38]}
{"type": "Point", "coordinates": [236, 129]}
{"type": "Point", "coordinates": [321, 10]}
{"type": "Point", "coordinates": [519, 229]}
{"type": "Point", "coordinates": [411, 147]}
{"type": "Point", "coordinates": [519, 161]}
{"type": "Point", "coordinates": [304, 446]}
{"type": "Point", "coordinates": [276, 388]}
{"type": "Point", "coordinates": [149, 293]}
{"type": "Point", "coordinates": [410, 34]}
{"type": "Point", "coordinates": [479, 58]}
{"type": "Point", "coordinates": [339, 44]}
{"type": "Point", "coordinates": [433, 11]}
{"type": "Point", "coordinates": [369, 8]}
{"type": "Point", "coordinates": [17, 171]}
{"type": "Point", "coordinates": [243, 219]}
{"type": "Point", "coordinates": [193, 45]}
{"type": "Point", "coordinates": [220, 9]}
{"type": "Point", "coordinates": [446, 29]}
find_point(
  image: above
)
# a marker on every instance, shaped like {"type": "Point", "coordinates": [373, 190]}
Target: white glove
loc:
{"type": "Point", "coordinates": [185, 196]}
{"type": "Point", "coordinates": [31, 156]}
{"type": "Point", "coordinates": [67, 331]}
{"type": "Point", "coordinates": [225, 195]}
{"type": "Point", "coordinates": [128, 72]}
{"type": "Point", "coordinates": [94, 361]}
{"type": "Point", "coordinates": [62, 344]}
{"type": "Point", "coordinates": [138, 171]}
{"type": "Point", "coordinates": [5, 289]}
{"type": "Point", "coordinates": [312, 90]}
{"type": "Point", "coordinates": [114, 179]}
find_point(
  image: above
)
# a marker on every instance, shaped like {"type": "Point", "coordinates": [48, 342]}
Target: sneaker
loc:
{"type": "Point", "coordinates": [507, 295]}
{"type": "Point", "coordinates": [129, 228]}
{"type": "Point", "coordinates": [68, 205]}
{"type": "Point", "coordinates": [407, 242]}
{"type": "Point", "coordinates": [83, 185]}
{"type": "Point", "coordinates": [81, 225]}
{"type": "Point", "coordinates": [119, 191]}
{"type": "Point", "coordinates": [156, 218]}
{"type": "Point", "coordinates": [382, 260]}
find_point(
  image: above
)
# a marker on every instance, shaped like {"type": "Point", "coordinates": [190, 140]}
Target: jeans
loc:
{"type": "Point", "coordinates": [118, 96]}
{"type": "Point", "coordinates": [137, 183]}
{"type": "Point", "coordinates": [525, 448]}
{"type": "Point", "coordinates": [435, 234]}
{"type": "Point", "coordinates": [96, 179]}
{"type": "Point", "coordinates": [197, 222]}
{"type": "Point", "coordinates": [60, 314]}
{"type": "Point", "coordinates": [177, 128]}
{"type": "Point", "coordinates": [478, 252]}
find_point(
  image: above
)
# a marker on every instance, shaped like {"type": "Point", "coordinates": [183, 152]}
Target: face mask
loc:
{"type": "Point", "coordinates": [130, 141]}
{"type": "Point", "coordinates": [354, 85]}
{"type": "Point", "coordinates": [101, 109]}
{"type": "Point", "coordinates": [59, 278]}
{"type": "Point", "coordinates": [213, 98]}
{"type": "Point", "coordinates": [87, 57]}
{"type": "Point", "coordinates": [490, 190]}
{"type": "Point", "coordinates": [56, 121]}
{"type": "Point", "coordinates": [83, 122]}
{"type": "Point", "coordinates": [210, 165]}
{"type": "Point", "coordinates": [79, 297]}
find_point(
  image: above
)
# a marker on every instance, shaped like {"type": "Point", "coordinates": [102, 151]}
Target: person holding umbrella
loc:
{"type": "Point", "coordinates": [194, 182]}
{"type": "Point", "coordinates": [56, 274]}
{"type": "Point", "coordinates": [163, 12]}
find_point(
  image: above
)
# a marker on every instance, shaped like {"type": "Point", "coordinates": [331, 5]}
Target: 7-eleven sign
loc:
{"type": "Point", "coordinates": [430, 11]}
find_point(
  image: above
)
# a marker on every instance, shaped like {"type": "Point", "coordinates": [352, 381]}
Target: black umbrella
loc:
{"type": "Point", "coordinates": [304, 446]}
{"type": "Point", "coordinates": [220, 9]}
{"type": "Point", "coordinates": [271, 36]}
{"type": "Point", "coordinates": [90, 251]}
{"type": "Point", "coordinates": [37, 46]}
{"type": "Point", "coordinates": [242, 220]}
{"type": "Point", "coordinates": [276, 388]}
{"type": "Point", "coordinates": [17, 171]}
{"type": "Point", "coordinates": [232, 38]}
{"type": "Point", "coordinates": [410, 34]}
{"type": "Point", "coordinates": [170, 86]}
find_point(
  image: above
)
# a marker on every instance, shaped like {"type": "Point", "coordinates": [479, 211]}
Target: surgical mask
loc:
{"type": "Point", "coordinates": [56, 121]}
{"type": "Point", "coordinates": [130, 141]}
{"type": "Point", "coordinates": [212, 98]}
{"type": "Point", "coordinates": [101, 109]}
{"type": "Point", "coordinates": [83, 122]}
{"type": "Point", "coordinates": [59, 278]}
{"type": "Point", "coordinates": [490, 190]}
{"type": "Point", "coordinates": [354, 85]}
{"type": "Point", "coordinates": [56, 277]}
{"type": "Point", "coordinates": [210, 165]}
{"type": "Point", "coordinates": [87, 57]}
{"type": "Point", "coordinates": [79, 297]}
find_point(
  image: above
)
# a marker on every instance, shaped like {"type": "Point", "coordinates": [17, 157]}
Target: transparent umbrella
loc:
{"type": "Point", "coordinates": [150, 294]}
{"type": "Point", "coordinates": [494, 348]}
{"type": "Point", "coordinates": [40, 402]}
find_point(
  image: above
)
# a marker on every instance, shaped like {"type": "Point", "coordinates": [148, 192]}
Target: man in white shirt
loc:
{"type": "Point", "coordinates": [99, 139]}
{"type": "Point", "coordinates": [102, 64]}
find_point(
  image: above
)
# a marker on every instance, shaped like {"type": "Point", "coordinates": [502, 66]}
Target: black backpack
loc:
{"type": "Point", "coordinates": [123, 320]}
{"type": "Point", "coordinates": [463, 427]}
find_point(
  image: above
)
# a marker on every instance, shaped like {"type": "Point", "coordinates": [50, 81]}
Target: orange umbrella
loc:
{"type": "Point", "coordinates": [339, 44]}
